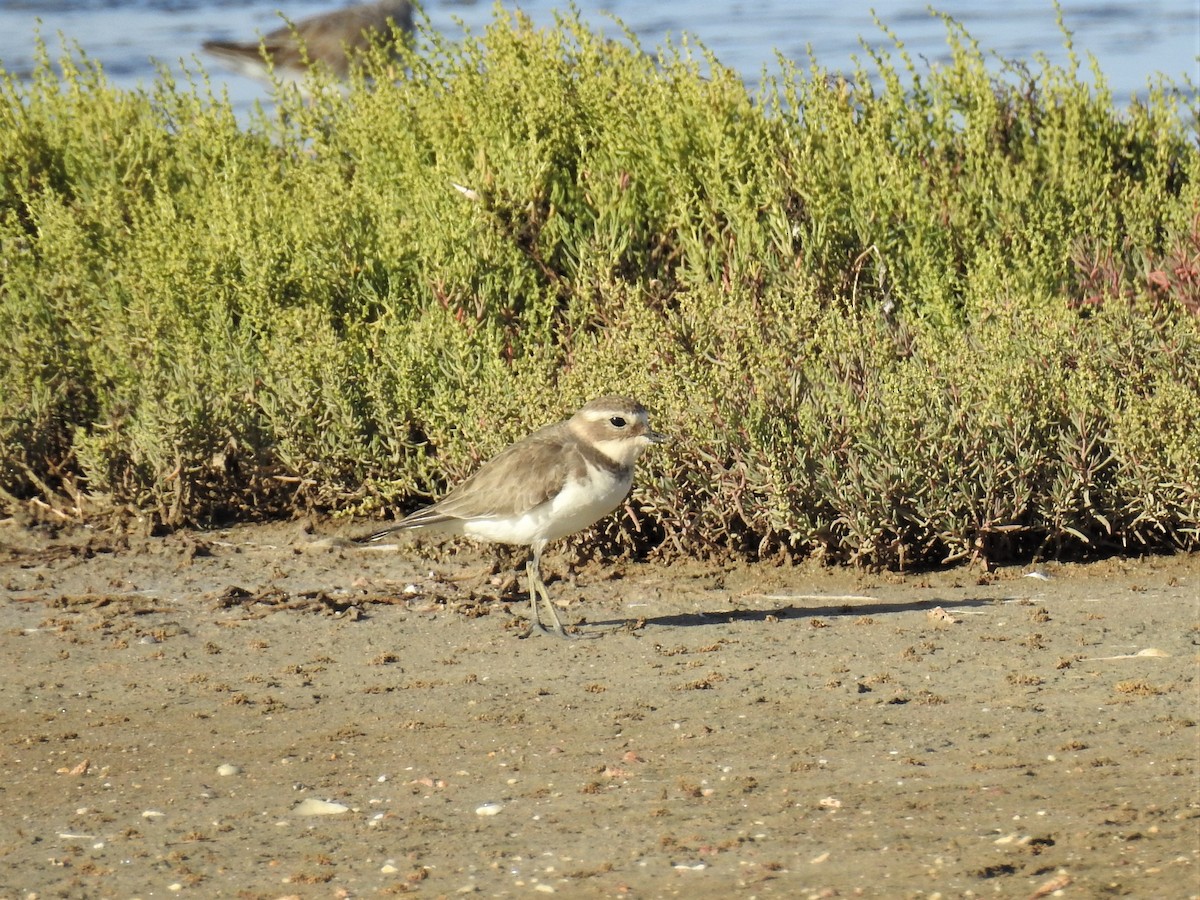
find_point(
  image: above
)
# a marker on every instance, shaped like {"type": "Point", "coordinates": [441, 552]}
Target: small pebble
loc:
{"type": "Point", "coordinates": [153, 814]}
{"type": "Point", "coordinates": [228, 769]}
{"type": "Point", "coordinates": [488, 809]}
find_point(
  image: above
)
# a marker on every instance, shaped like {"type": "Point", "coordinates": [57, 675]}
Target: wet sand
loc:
{"type": "Point", "coordinates": [256, 713]}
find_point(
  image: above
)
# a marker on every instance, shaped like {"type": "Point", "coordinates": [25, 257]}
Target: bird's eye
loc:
{"type": "Point", "coordinates": [617, 422]}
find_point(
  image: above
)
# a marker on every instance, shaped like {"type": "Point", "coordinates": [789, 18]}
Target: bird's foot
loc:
{"type": "Point", "coordinates": [539, 627]}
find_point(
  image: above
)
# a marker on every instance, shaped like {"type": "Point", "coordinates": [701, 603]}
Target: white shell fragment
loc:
{"type": "Point", "coordinates": [940, 615]}
{"type": "Point", "coordinates": [314, 807]}
{"type": "Point", "coordinates": [228, 769]}
{"type": "Point", "coordinates": [488, 809]}
{"type": "Point", "coordinates": [1149, 652]}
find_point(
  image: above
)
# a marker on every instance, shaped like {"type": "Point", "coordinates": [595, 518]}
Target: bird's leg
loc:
{"type": "Point", "coordinates": [537, 589]}
{"type": "Point", "coordinates": [535, 620]}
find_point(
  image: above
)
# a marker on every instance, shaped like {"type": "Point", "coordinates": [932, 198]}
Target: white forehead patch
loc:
{"type": "Point", "coordinates": [603, 415]}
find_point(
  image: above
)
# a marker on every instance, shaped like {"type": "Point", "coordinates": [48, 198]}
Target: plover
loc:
{"type": "Point", "coordinates": [330, 39]}
{"type": "Point", "coordinates": [559, 480]}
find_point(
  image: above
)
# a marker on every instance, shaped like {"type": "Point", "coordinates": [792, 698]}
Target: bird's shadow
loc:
{"type": "Point", "coordinates": [778, 613]}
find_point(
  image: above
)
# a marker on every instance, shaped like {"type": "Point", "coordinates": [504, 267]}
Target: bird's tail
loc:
{"type": "Point", "coordinates": [378, 535]}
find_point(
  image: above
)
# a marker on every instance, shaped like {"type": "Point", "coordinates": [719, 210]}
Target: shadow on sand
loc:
{"type": "Point", "coordinates": [856, 609]}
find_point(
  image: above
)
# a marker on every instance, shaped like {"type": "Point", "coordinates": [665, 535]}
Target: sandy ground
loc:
{"type": "Point", "coordinates": [253, 713]}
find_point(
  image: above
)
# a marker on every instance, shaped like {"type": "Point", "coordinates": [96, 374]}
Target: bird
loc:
{"type": "Point", "coordinates": [553, 483]}
{"type": "Point", "coordinates": [331, 39]}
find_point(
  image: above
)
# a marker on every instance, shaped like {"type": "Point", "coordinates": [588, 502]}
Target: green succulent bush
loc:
{"type": "Point", "coordinates": [899, 316]}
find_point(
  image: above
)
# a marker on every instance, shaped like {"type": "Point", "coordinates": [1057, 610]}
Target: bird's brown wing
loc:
{"type": "Point", "coordinates": [328, 36]}
{"type": "Point", "coordinates": [513, 482]}
{"type": "Point", "coordinates": [325, 37]}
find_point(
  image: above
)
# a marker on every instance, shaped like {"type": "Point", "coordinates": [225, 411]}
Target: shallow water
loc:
{"type": "Point", "coordinates": [1132, 41]}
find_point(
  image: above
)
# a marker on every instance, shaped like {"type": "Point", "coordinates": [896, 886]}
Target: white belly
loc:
{"type": "Point", "coordinates": [578, 505]}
